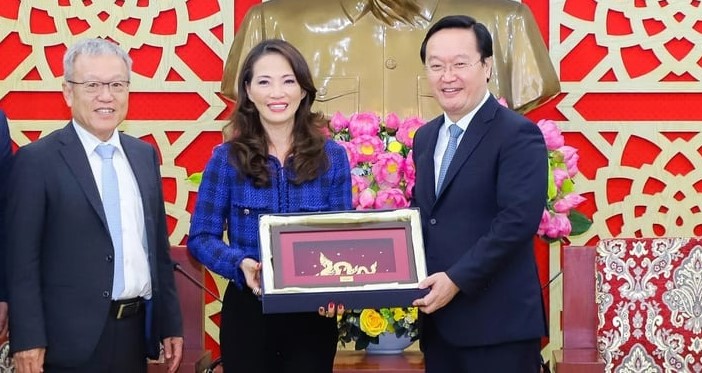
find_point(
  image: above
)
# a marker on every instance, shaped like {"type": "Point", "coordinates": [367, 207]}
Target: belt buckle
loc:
{"type": "Point", "coordinates": [124, 307]}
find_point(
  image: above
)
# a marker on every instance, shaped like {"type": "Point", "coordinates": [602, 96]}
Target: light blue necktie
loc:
{"type": "Point", "coordinates": [455, 131]}
{"type": "Point", "coordinates": [110, 201]}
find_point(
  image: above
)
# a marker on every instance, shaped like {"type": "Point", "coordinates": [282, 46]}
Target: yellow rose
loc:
{"type": "Point", "coordinates": [372, 323]}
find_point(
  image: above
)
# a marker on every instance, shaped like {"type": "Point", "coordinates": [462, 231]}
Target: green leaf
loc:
{"type": "Point", "coordinates": [362, 343]}
{"type": "Point", "coordinates": [579, 222]}
{"type": "Point", "coordinates": [549, 239]}
{"type": "Point", "coordinates": [552, 190]}
{"type": "Point", "coordinates": [399, 332]}
{"type": "Point", "coordinates": [195, 178]}
{"type": "Point", "coordinates": [568, 186]}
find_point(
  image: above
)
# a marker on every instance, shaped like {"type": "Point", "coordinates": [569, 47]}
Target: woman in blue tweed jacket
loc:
{"type": "Point", "coordinates": [277, 160]}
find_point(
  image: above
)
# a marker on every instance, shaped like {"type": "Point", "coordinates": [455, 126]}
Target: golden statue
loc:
{"type": "Point", "coordinates": [364, 54]}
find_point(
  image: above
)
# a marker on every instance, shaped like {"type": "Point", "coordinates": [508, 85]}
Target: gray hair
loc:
{"type": "Point", "coordinates": [93, 47]}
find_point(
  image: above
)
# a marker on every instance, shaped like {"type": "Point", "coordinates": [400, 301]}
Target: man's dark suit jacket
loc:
{"type": "Point", "coordinates": [479, 229]}
{"type": "Point", "coordinates": [60, 252]}
{"type": "Point", "coordinates": [5, 160]}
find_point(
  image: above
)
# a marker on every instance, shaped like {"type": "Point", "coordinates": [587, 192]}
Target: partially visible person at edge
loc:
{"type": "Point", "coordinates": [90, 276]}
{"type": "Point", "coordinates": [5, 163]}
{"type": "Point", "coordinates": [484, 312]}
{"type": "Point", "coordinates": [277, 160]}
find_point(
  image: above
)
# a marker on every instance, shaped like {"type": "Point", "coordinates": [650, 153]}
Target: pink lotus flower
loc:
{"type": "Point", "coordinates": [388, 170]}
{"type": "Point", "coordinates": [554, 226]}
{"type": "Point", "coordinates": [552, 134]}
{"type": "Point", "coordinates": [559, 175]}
{"type": "Point", "coordinates": [392, 122]}
{"type": "Point", "coordinates": [559, 226]}
{"type": "Point", "coordinates": [368, 147]}
{"type": "Point", "coordinates": [410, 174]}
{"type": "Point", "coordinates": [366, 200]}
{"type": "Point", "coordinates": [405, 134]}
{"type": "Point", "coordinates": [339, 122]}
{"type": "Point", "coordinates": [351, 152]}
{"type": "Point", "coordinates": [568, 202]}
{"type": "Point", "coordinates": [570, 158]}
{"type": "Point", "coordinates": [544, 223]}
{"type": "Point", "coordinates": [362, 124]}
{"type": "Point", "coordinates": [358, 184]}
{"type": "Point", "coordinates": [392, 198]}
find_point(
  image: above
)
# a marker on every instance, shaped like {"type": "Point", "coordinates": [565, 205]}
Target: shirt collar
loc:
{"type": "Point", "coordinates": [90, 142]}
{"type": "Point", "coordinates": [465, 121]}
{"type": "Point", "coordinates": [355, 9]}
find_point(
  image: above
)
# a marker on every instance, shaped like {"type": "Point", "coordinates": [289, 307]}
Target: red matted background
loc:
{"type": "Point", "coordinates": [630, 102]}
{"type": "Point", "coordinates": [387, 248]}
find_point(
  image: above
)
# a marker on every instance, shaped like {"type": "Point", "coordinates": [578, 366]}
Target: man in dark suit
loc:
{"type": "Point", "coordinates": [481, 189]}
{"type": "Point", "coordinates": [90, 276]}
{"type": "Point", "coordinates": [5, 161]}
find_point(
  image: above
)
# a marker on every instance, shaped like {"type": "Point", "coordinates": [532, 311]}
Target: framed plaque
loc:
{"type": "Point", "coordinates": [361, 259]}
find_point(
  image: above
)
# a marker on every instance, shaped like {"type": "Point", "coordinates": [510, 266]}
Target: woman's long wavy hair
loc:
{"type": "Point", "coordinates": [248, 139]}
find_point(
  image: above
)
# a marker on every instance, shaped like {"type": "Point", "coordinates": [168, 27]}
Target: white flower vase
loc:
{"type": "Point", "coordinates": [389, 344]}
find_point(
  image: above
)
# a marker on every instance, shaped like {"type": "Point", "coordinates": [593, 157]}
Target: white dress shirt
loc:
{"type": "Point", "coordinates": [444, 135]}
{"type": "Point", "coordinates": [137, 275]}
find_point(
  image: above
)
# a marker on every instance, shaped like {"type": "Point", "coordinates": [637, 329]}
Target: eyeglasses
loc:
{"type": "Point", "coordinates": [92, 86]}
{"type": "Point", "coordinates": [456, 67]}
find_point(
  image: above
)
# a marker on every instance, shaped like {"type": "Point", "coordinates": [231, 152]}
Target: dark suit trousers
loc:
{"type": "Point", "coordinates": [121, 349]}
{"type": "Point", "coordinates": [252, 342]}
{"type": "Point", "coordinates": [512, 357]}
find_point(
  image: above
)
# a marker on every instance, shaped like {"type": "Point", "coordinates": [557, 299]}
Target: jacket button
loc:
{"type": "Point", "coordinates": [246, 211]}
{"type": "Point", "coordinates": [105, 294]}
{"type": "Point", "coordinates": [432, 221]}
{"type": "Point", "coordinates": [108, 258]}
{"type": "Point", "coordinates": [390, 63]}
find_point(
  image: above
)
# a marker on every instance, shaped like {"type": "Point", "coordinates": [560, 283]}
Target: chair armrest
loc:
{"type": "Point", "coordinates": [578, 361]}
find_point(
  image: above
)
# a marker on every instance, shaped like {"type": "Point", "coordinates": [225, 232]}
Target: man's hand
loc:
{"type": "Point", "coordinates": [442, 291]}
{"type": "Point", "coordinates": [30, 361]}
{"type": "Point", "coordinates": [3, 320]}
{"type": "Point", "coordinates": [173, 352]}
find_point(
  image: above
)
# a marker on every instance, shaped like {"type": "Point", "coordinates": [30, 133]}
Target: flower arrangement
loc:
{"type": "Point", "coordinates": [380, 155]}
{"type": "Point", "coordinates": [364, 326]}
{"type": "Point", "coordinates": [382, 176]}
{"type": "Point", "coordinates": [560, 218]}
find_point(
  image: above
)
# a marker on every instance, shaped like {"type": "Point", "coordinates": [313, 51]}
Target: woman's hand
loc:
{"type": "Point", "coordinates": [252, 273]}
{"type": "Point", "coordinates": [332, 310]}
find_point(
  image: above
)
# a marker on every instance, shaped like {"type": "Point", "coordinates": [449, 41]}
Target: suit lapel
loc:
{"type": "Point", "coordinates": [427, 161]}
{"type": "Point", "coordinates": [478, 127]}
{"type": "Point", "coordinates": [139, 159]}
{"type": "Point", "coordinates": [74, 155]}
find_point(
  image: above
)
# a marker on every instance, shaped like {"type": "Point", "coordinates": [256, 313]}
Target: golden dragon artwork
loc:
{"type": "Point", "coordinates": [343, 268]}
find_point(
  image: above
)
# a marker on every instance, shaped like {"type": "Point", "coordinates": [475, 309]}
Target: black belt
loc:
{"type": "Point", "coordinates": [124, 308]}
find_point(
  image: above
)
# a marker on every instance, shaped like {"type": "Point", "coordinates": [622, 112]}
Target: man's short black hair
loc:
{"type": "Point", "coordinates": [461, 22]}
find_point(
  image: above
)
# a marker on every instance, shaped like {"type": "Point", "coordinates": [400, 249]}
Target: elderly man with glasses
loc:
{"type": "Point", "coordinates": [90, 277]}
